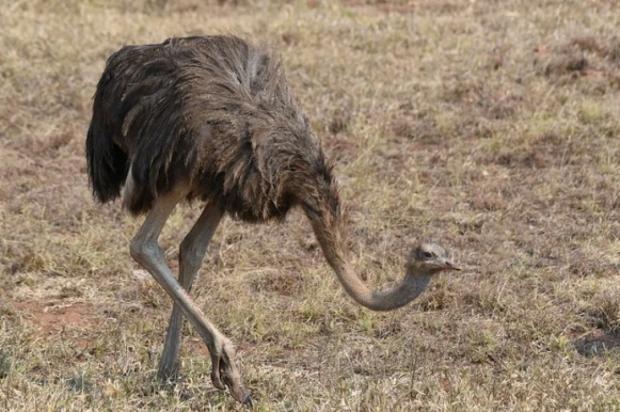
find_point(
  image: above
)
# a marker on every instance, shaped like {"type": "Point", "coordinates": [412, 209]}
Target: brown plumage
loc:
{"type": "Point", "coordinates": [213, 118]}
{"type": "Point", "coordinates": [212, 112]}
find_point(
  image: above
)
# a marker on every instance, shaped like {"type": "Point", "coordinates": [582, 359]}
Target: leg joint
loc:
{"type": "Point", "coordinates": [142, 250]}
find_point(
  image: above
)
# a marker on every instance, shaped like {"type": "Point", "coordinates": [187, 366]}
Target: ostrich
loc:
{"type": "Point", "coordinates": [212, 118]}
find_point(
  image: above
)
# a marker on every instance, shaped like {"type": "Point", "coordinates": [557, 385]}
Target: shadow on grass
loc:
{"type": "Point", "coordinates": [597, 343]}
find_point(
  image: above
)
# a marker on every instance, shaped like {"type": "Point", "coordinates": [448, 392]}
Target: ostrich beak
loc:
{"type": "Point", "coordinates": [449, 265]}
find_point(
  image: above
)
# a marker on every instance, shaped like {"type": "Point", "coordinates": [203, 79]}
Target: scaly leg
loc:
{"type": "Point", "coordinates": [145, 250]}
{"type": "Point", "coordinates": [191, 254]}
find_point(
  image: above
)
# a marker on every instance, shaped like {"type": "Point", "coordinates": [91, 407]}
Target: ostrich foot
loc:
{"type": "Point", "coordinates": [224, 371]}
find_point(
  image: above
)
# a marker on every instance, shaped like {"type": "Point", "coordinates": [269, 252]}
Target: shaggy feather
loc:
{"type": "Point", "coordinates": [211, 112]}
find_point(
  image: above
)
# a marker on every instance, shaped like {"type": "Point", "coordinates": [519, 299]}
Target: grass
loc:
{"type": "Point", "coordinates": [490, 126]}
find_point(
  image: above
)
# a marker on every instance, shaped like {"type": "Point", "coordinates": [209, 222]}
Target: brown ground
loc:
{"type": "Point", "coordinates": [490, 126]}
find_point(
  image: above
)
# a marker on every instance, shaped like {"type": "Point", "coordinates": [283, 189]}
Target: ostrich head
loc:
{"type": "Point", "coordinates": [429, 259]}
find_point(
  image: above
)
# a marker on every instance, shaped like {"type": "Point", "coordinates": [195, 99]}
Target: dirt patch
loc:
{"type": "Point", "coordinates": [586, 264]}
{"type": "Point", "coordinates": [53, 317]}
{"type": "Point", "coordinates": [340, 121]}
{"type": "Point", "coordinates": [419, 126]}
{"type": "Point", "coordinates": [341, 149]}
{"type": "Point", "coordinates": [280, 282]}
{"type": "Point", "coordinates": [479, 99]}
{"type": "Point", "coordinates": [589, 56]}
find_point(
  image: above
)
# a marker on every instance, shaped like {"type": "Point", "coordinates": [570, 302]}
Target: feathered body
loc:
{"type": "Point", "coordinates": [213, 113]}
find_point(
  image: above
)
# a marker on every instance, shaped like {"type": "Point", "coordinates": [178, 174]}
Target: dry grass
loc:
{"type": "Point", "coordinates": [492, 126]}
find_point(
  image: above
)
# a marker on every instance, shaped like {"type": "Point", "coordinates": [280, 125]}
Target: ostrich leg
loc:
{"type": "Point", "coordinates": [191, 254]}
{"type": "Point", "coordinates": [145, 250]}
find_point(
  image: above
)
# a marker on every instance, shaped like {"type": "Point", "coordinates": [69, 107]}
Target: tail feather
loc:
{"type": "Point", "coordinates": [107, 162]}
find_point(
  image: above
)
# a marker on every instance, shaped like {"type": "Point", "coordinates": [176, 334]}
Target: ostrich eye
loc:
{"type": "Point", "coordinates": [427, 255]}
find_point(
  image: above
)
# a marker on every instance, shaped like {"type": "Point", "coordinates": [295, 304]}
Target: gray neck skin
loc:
{"type": "Point", "coordinates": [386, 299]}
{"type": "Point", "coordinates": [407, 290]}
{"type": "Point", "coordinates": [393, 298]}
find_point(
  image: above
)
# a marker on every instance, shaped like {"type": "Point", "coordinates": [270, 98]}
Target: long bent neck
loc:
{"type": "Point", "coordinates": [328, 230]}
